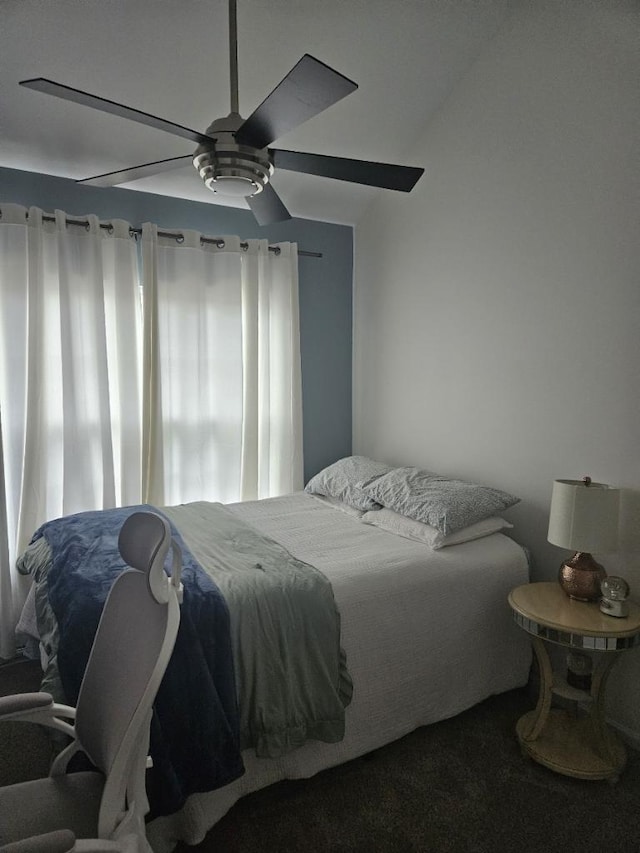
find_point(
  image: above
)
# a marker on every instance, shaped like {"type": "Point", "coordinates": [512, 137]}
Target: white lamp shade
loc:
{"type": "Point", "coordinates": [584, 518]}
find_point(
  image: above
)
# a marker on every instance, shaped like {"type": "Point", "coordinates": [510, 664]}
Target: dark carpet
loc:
{"type": "Point", "coordinates": [459, 786]}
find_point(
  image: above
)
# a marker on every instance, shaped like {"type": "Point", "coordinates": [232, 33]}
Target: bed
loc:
{"type": "Point", "coordinates": [426, 633]}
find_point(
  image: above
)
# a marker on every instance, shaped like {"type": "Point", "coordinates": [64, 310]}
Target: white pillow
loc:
{"type": "Point", "coordinates": [393, 522]}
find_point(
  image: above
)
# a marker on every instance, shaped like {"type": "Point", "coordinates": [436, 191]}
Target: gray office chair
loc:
{"type": "Point", "coordinates": [103, 810]}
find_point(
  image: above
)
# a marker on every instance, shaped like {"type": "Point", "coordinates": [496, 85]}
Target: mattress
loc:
{"type": "Point", "coordinates": [427, 634]}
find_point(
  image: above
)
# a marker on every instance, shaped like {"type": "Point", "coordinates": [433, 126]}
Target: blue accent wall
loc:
{"type": "Point", "coordinates": [325, 286]}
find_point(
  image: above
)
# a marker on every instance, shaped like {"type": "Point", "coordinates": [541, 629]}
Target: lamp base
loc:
{"type": "Point", "coordinates": [580, 577]}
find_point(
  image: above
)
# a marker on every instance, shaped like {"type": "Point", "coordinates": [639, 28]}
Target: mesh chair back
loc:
{"type": "Point", "coordinates": [130, 652]}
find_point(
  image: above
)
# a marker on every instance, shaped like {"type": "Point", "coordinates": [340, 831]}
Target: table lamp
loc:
{"type": "Point", "coordinates": [584, 517]}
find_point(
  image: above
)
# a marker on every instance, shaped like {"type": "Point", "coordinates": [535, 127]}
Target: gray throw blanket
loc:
{"type": "Point", "coordinates": [290, 670]}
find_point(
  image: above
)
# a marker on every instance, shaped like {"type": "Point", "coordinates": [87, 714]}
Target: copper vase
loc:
{"type": "Point", "coordinates": [580, 577]}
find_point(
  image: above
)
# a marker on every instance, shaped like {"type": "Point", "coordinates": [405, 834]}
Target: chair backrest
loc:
{"type": "Point", "coordinates": [130, 653]}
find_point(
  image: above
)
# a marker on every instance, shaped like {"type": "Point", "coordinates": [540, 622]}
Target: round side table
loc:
{"type": "Point", "coordinates": [581, 746]}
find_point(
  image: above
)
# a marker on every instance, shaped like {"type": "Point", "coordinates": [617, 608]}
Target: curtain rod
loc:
{"type": "Point", "coordinates": [217, 241]}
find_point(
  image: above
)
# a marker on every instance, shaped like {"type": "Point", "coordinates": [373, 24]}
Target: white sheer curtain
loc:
{"type": "Point", "coordinates": [94, 413]}
{"type": "Point", "coordinates": [69, 380]}
{"type": "Point", "coordinates": [222, 414]}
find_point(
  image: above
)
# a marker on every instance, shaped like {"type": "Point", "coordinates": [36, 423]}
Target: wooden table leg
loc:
{"type": "Point", "coordinates": [606, 742]}
{"type": "Point", "coordinates": [544, 696]}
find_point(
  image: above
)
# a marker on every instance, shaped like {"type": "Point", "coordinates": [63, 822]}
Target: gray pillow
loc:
{"type": "Point", "coordinates": [448, 505]}
{"type": "Point", "coordinates": [344, 480]}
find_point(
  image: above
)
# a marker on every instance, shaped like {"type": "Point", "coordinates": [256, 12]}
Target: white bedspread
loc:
{"type": "Point", "coordinates": [427, 635]}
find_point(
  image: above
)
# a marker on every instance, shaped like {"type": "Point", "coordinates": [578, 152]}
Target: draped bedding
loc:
{"type": "Point", "coordinates": [257, 661]}
{"type": "Point", "coordinates": [291, 674]}
{"type": "Point", "coordinates": [426, 634]}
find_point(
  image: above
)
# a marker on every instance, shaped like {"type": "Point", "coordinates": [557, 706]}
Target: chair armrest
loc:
{"type": "Point", "coordinates": [64, 841]}
{"type": "Point", "coordinates": [37, 708]}
{"type": "Point", "coordinates": [61, 841]}
{"type": "Point", "coordinates": [19, 702]}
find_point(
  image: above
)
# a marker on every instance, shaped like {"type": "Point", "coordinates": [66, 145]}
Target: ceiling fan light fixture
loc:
{"type": "Point", "coordinates": [234, 173]}
{"type": "Point", "coordinates": [233, 186]}
{"type": "Point", "coordinates": [229, 169]}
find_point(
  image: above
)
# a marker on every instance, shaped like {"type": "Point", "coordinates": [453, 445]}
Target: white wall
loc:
{"type": "Point", "coordinates": [497, 307]}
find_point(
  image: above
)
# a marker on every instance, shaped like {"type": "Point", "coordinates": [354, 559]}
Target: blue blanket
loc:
{"type": "Point", "coordinates": [195, 727]}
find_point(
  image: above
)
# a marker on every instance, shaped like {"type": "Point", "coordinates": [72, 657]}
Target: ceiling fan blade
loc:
{"type": "Point", "coordinates": [308, 89]}
{"type": "Point", "coordinates": [267, 207]}
{"type": "Point", "coordinates": [384, 175]}
{"type": "Point", "coordinates": [122, 176]}
{"type": "Point", "coordinates": [58, 90]}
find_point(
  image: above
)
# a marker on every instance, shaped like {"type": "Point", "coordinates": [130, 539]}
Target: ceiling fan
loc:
{"type": "Point", "coordinates": [233, 157]}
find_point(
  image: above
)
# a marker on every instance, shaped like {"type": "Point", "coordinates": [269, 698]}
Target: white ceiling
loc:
{"type": "Point", "coordinates": [170, 58]}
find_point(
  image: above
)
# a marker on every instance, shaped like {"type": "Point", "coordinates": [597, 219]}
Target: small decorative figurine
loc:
{"type": "Point", "coordinates": [615, 591]}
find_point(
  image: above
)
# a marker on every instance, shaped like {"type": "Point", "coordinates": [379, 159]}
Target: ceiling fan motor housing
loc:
{"type": "Point", "coordinates": [228, 168]}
